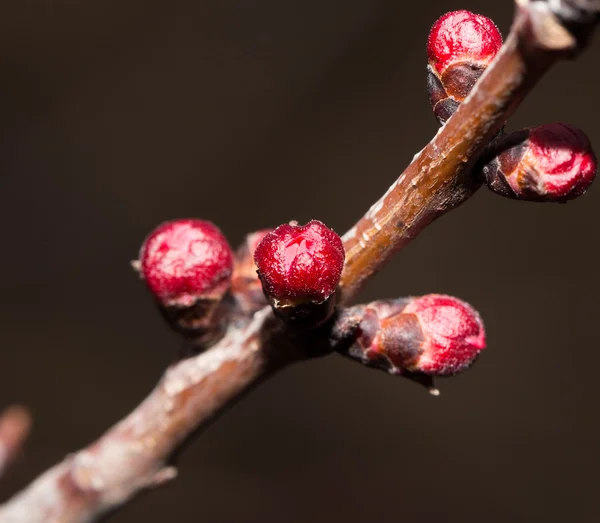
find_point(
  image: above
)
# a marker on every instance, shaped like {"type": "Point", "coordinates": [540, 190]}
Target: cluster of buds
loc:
{"type": "Point", "coordinates": [548, 163]}
{"type": "Point", "coordinates": [199, 284]}
{"type": "Point", "coordinates": [202, 287]}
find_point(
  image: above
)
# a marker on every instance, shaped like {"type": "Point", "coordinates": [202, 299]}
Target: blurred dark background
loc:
{"type": "Point", "coordinates": [117, 115]}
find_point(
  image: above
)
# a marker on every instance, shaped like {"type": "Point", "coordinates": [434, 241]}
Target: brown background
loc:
{"type": "Point", "coordinates": [118, 114]}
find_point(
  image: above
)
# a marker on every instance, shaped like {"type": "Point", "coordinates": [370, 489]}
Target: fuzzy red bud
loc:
{"type": "Point", "coordinates": [460, 46]}
{"type": "Point", "coordinates": [553, 162]}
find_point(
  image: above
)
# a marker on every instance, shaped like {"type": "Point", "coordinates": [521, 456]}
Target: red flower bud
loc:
{"type": "Point", "coordinates": [552, 162]}
{"type": "Point", "coordinates": [460, 46]}
{"type": "Point", "coordinates": [300, 266]}
{"type": "Point", "coordinates": [187, 265]}
{"type": "Point", "coordinates": [434, 335]}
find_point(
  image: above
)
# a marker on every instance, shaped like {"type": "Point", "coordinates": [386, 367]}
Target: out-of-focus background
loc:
{"type": "Point", "coordinates": [117, 115]}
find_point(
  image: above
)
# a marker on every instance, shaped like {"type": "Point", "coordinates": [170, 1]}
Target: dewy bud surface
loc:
{"type": "Point", "coordinates": [300, 264]}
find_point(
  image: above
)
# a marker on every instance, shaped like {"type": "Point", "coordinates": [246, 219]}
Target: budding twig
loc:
{"type": "Point", "coordinates": [134, 454]}
{"type": "Point", "coordinates": [438, 179]}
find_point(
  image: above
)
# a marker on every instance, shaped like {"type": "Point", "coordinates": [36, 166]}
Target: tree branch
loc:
{"type": "Point", "coordinates": [134, 454]}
